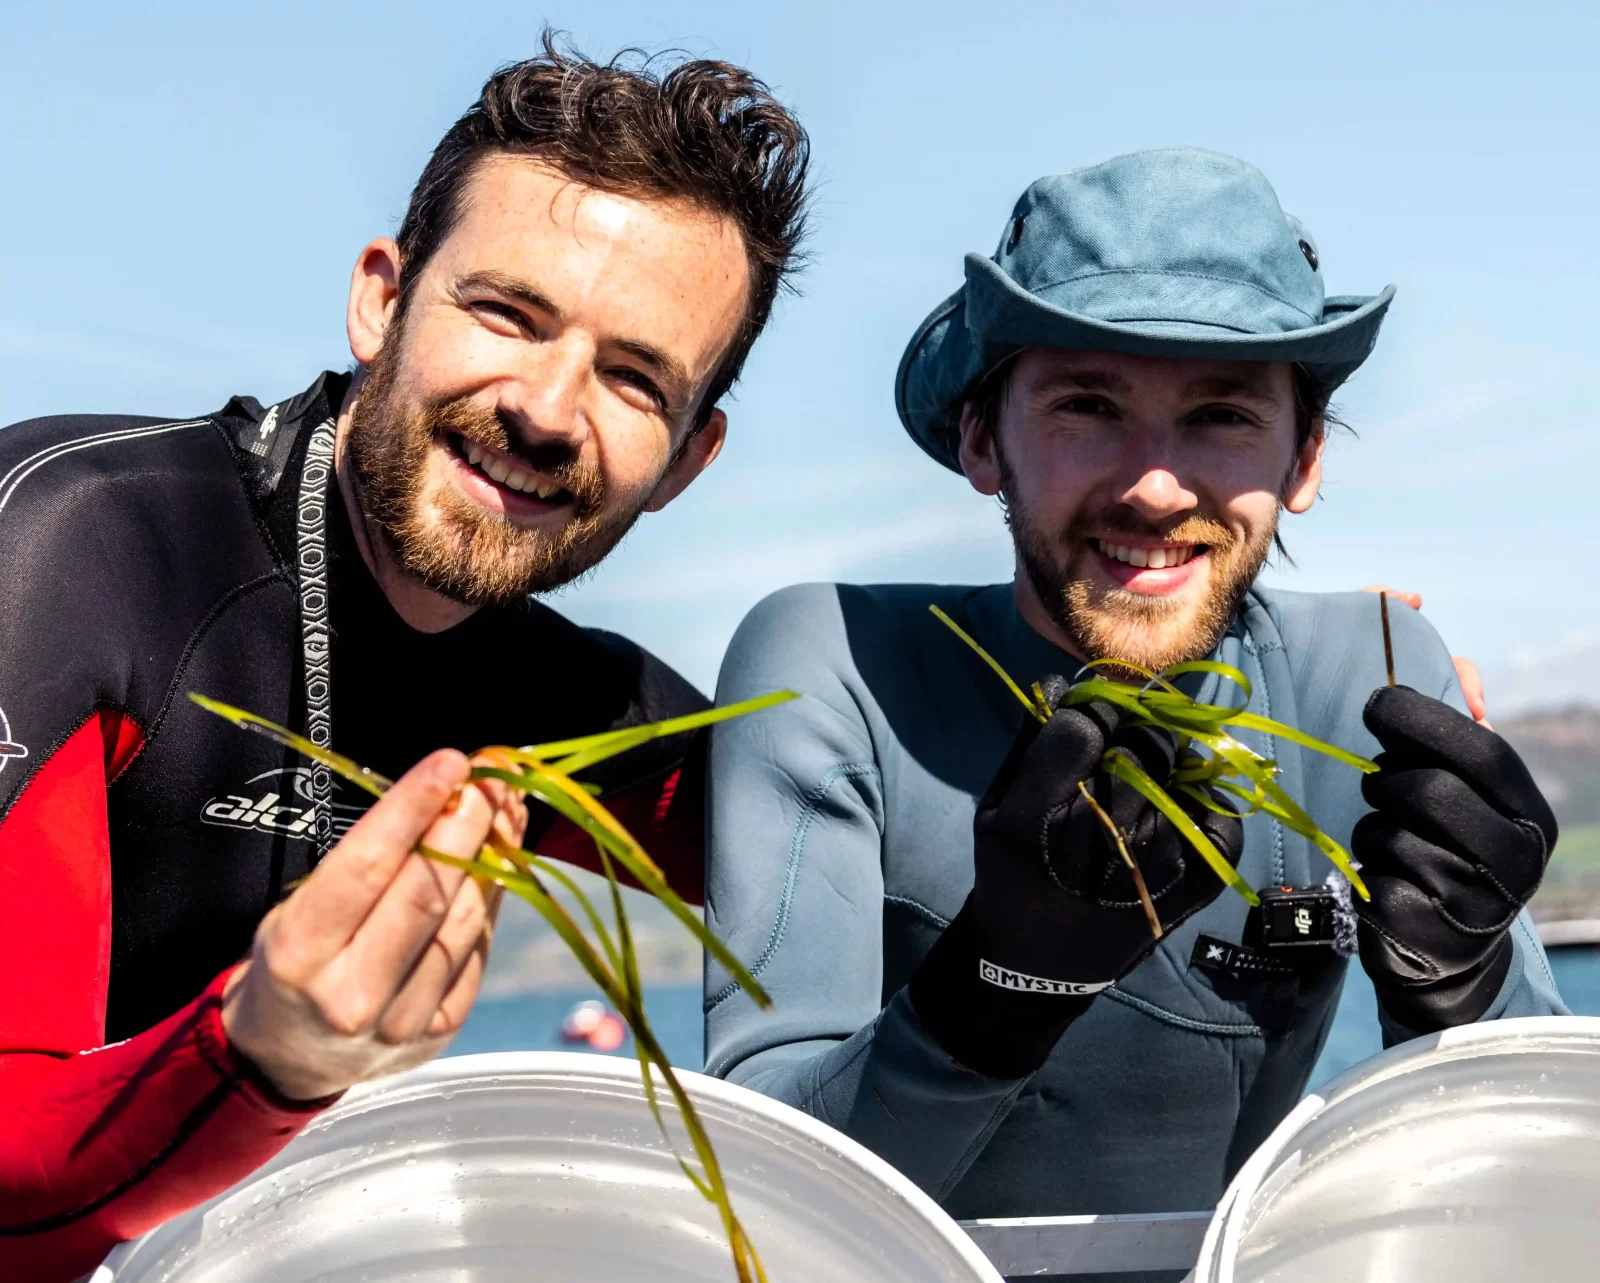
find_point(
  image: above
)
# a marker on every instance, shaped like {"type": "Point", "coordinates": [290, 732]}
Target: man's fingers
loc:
{"type": "Point", "coordinates": [1412, 599]}
{"type": "Point", "coordinates": [1416, 730]}
{"type": "Point", "coordinates": [322, 916]}
{"type": "Point", "coordinates": [1472, 688]}
{"type": "Point", "coordinates": [411, 1013]}
{"type": "Point", "coordinates": [1446, 810]}
{"type": "Point", "coordinates": [456, 1005]}
{"type": "Point", "coordinates": [388, 943]}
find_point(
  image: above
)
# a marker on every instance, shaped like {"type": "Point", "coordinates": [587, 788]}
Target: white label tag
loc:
{"type": "Point", "coordinates": [1022, 983]}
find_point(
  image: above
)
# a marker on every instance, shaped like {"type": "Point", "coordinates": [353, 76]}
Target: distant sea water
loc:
{"type": "Point", "coordinates": [1355, 1034]}
{"type": "Point", "coordinates": [532, 1022]}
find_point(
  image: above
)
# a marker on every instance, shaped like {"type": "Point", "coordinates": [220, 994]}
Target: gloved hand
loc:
{"type": "Point", "coordinates": [1456, 844]}
{"type": "Point", "coordinates": [1054, 915]}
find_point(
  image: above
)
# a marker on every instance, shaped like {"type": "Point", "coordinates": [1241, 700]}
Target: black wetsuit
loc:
{"type": "Point", "coordinates": [142, 839]}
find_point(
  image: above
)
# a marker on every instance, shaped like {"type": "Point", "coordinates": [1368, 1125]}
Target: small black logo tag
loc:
{"type": "Point", "coordinates": [1211, 954]}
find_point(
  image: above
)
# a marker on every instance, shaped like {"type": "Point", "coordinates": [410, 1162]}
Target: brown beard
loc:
{"type": "Point", "coordinates": [452, 545]}
{"type": "Point", "coordinates": [1113, 623]}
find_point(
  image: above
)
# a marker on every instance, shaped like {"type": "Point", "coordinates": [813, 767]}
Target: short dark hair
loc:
{"type": "Point", "coordinates": [988, 392]}
{"type": "Point", "coordinates": [702, 131]}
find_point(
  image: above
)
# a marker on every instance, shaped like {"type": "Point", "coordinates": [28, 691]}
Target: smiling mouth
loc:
{"type": "Point", "coordinates": [507, 472]}
{"type": "Point", "coordinates": [1165, 557]}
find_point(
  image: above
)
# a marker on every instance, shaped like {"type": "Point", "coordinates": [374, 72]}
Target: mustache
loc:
{"type": "Point", "coordinates": [1193, 529]}
{"type": "Point", "coordinates": [493, 430]}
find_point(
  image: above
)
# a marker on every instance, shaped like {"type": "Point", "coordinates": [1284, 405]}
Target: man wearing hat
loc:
{"type": "Point", "coordinates": [963, 975]}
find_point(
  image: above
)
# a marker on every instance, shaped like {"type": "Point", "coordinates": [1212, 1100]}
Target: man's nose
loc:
{"type": "Point", "coordinates": [547, 395]}
{"type": "Point", "coordinates": [1156, 493]}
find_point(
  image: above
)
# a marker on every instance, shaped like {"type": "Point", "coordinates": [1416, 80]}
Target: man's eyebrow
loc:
{"type": "Point", "coordinates": [511, 287]}
{"type": "Point", "coordinates": [671, 370]}
{"type": "Point", "coordinates": [1084, 381]}
{"type": "Point", "coordinates": [1227, 385]}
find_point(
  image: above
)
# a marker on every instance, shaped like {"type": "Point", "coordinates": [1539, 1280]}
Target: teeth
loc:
{"type": "Point", "coordinates": [1153, 558]}
{"type": "Point", "coordinates": [510, 478]}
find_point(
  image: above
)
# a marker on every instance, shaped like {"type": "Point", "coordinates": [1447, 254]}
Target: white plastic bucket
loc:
{"type": "Point", "coordinates": [547, 1166]}
{"type": "Point", "coordinates": [1471, 1156]}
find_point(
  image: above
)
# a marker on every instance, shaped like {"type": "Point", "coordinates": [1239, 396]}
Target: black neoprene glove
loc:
{"type": "Point", "coordinates": [1054, 915]}
{"type": "Point", "coordinates": [1456, 844]}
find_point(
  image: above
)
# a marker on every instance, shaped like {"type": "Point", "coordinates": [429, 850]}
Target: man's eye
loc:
{"type": "Point", "coordinates": [1090, 405]}
{"type": "Point", "coordinates": [502, 312]}
{"type": "Point", "coordinates": [636, 380]}
{"type": "Point", "coordinates": [1220, 416]}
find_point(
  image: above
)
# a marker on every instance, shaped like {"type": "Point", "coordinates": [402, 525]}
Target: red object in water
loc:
{"type": "Point", "coordinates": [608, 1035]}
{"type": "Point", "coordinates": [590, 1022]}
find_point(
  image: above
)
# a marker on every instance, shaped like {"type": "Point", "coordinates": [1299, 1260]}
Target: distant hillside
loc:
{"type": "Point", "coordinates": [1562, 749]}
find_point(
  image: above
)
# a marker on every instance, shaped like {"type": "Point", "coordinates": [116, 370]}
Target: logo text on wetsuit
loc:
{"type": "Point", "coordinates": [1024, 983]}
{"type": "Point", "coordinates": [277, 801]}
{"type": "Point", "coordinates": [9, 748]}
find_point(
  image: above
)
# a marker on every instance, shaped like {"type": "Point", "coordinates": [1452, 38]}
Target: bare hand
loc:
{"type": "Point", "coordinates": [1466, 671]}
{"type": "Point", "coordinates": [372, 965]}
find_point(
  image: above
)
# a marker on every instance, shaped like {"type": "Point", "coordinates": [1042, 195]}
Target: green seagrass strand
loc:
{"type": "Point", "coordinates": [1230, 766]}
{"type": "Point", "coordinates": [614, 965]}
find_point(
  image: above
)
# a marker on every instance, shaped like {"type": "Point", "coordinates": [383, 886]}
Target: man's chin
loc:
{"type": "Point", "coordinates": [481, 559]}
{"type": "Point", "coordinates": [1142, 647]}
{"type": "Point", "coordinates": [1152, 631]}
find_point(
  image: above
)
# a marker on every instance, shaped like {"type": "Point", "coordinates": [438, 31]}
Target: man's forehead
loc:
{"type": "Point", "coordinates": [529, 188]}
{"type": "Point", "coordinates": [660, 271]}
{"type": "Point", "coordinates": [1123, 372]}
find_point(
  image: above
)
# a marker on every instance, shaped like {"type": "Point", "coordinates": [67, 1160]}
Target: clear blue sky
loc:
{"type": "Point", "coordinates": [185, 188]}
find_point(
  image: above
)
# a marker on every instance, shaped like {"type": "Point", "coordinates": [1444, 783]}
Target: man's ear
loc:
{"type": "Point", "coordinates": [979, 458]}
{"type": "Point", "coordinates": [1305, 478]}
{"type": "Point", "coordinates": [695, 456]}
{"type": "Point", "coordinates": [374, 291]}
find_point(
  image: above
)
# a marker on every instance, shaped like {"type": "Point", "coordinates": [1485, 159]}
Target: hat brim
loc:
{"type": "Point", "coordinates": [992, 317]}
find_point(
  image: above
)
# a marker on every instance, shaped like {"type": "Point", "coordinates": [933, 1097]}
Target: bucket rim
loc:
{"type": "Point", "coordinates": [462, 1072]}
{"type": "Point", "coordinates": [1520, 1034]}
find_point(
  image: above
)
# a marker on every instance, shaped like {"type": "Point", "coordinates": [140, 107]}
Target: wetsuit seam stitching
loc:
{"type": "Point", "coordinates": [797, 843]}
{"type": "Point", "coordinates": [197, 634]}
{"type": "Point", "coordinates": [916, 906]}
{"type": "Point", "coordinates": [1278, 859]}
{"type": "Point", "coordinates": [133, 717]}
{"type": "Point", "coordinates": [191, 1124]}
{"type": "Point", "coordinates": [44, 759]}
{"type": "Point", "coordinates": [980, 1142]}
{"type": "Point", "coordinates": [1516, 925]}
{"type": "Point", "coordinates": [39, 458]}
{"type": "Point", "coordinates": [286, 566]}
{"type": "Point", "coordinates": [819, 1085]}
{"type": "Point", "coordinates": [1182, 1022]}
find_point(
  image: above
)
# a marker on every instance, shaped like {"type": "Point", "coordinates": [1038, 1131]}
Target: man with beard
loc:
{"type": "Point", "coordinates": [583, 266]}
{"type": "Point", "coordinates": [963, 975]}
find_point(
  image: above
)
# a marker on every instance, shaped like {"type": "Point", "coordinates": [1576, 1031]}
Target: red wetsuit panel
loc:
{"type": "Point", "coordinates": [666, 815]}
{"type": "Point", "coordinates": [99, 1144]}
{"type": "Point", "coordinates": [55, 903]}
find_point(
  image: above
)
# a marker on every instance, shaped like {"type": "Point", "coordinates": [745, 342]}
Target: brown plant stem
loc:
{"type": "Point", "coordinates": [1388, 641]}
{"type": "Point", "coordinates": [1127, 858]}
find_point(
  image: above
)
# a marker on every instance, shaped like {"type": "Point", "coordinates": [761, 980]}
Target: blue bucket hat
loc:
{"type": "Point", "coordinates": [1176, 253]}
